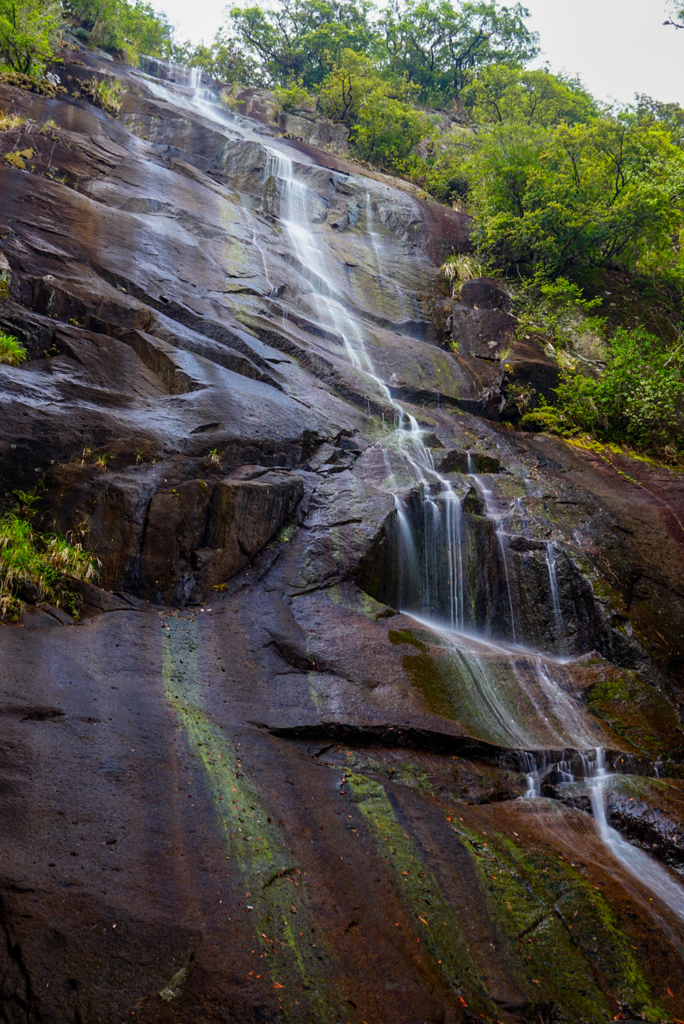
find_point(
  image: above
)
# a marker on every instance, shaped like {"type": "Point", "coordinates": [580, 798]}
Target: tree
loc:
{"type": "Point", "coordinates": [500, 93]}
{"type": "Point", "coordinates": [28, 30]}
{"type": "Point", "coordinates": [438, 45]}
{"type": "Point", "coordinates": [302, 40]}
{"type": "Point", "coordinates": [606, 193]}
{"type": "Point", "coordinates": [121, 27]}
{"type": "Point", "coordinates": [676, 19]}
{"type": "Point", "coordinates": [668, 115]}
{"type": "Point", "coordinates": [225, 59]}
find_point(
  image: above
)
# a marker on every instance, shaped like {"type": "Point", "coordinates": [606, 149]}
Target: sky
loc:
{"type": "Point", "coordinates": [618, 47]}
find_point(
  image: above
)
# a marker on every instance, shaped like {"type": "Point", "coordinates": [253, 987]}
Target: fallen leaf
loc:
{"type": "Point", "coordinates": [276, 985]}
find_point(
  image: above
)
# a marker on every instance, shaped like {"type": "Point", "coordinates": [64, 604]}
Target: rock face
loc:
{"type": "Point", "coordinates": [345, 621]}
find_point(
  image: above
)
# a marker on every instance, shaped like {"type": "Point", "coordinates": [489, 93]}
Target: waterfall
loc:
{"type": "Point", "coordinates": [441, 506]}
{"type": "Point", "coordinates": [507, 694]}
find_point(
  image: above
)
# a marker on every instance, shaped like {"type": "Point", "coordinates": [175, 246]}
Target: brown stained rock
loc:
{"type": "Point", "coordinates": [173, 787]}
{"type": "Point", "coordinates": [317, 131]}
{"type": "Point", "coordinates": [456, 461]}
{"type": "Point", "coordinates": [175, 527]}
{"type": "Point", "coordinates": [529, 369]}
{"type": "Point", "coordinates": [243, 517]}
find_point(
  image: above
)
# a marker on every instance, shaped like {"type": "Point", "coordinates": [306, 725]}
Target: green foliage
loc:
{"type": "Point", "coordinates": [302, 40]}
{"type": "Point", "coordinates": [11, 352]}
{"type": "Point", "coordinates": [438, 45]}
{"type": "Point", "coordinates": [638, 399]}
{"type": "Point", "coordinates": [293, 97]}
{"type": "Point", "coordinates": [556, 312]}
{"type": "Point", "coordinates": [605, 193]}
{"type": "Point", "coordinates": [387, 131]}
{"type": "Point", "coordinates": [667, 115]}
{"type": "Point", "coordinates": [122, 28]}
{"type": "Point", "coordinates": [28, 31]}
{"type": "Point", "coordinates": [501, 94]}
{"type": "Point", "coordinates": [38, 567]}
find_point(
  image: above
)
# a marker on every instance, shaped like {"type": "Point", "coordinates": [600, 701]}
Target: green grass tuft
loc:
{"type": "Point", "coordinates": [39, 568]}
{"type": "Point", "coordinates": [11, 352]}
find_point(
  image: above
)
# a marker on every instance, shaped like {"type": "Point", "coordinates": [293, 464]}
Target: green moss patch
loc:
{"type": "Point", "coordinates": [283, 918]}
{"type": "Point", "coordinates": [433, 919]}
{"type": "Point", "coordinates": [564, 938]}
{"type": "Point", "coordinates": [636, 711]}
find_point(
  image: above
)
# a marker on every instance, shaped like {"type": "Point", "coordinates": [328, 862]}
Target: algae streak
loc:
{"type": "Point", "coordinates": [253, 841]}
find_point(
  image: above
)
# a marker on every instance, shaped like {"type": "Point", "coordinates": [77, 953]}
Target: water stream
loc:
{"type": "Point", "coordinates": [506, 693]}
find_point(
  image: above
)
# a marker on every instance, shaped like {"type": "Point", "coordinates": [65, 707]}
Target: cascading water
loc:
{"type": "Point", "coordinates": [508, 694]}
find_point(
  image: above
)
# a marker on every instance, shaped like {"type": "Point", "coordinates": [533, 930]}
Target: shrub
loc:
{"type": "Point", "coordinates": [293, 97]}
{"type": "Point", "coordinates": [11, 352]}
{"type": "Point", "coordinates": [38, 568]}
{"type": "Point", "coordinates": [638, 399]}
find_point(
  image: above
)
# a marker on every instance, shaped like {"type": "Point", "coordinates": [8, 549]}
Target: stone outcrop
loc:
{"type": "Point", "coordinates": [263, 778]}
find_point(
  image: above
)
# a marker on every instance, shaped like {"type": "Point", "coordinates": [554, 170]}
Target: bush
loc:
{"type": "Point", "coordinates": [11, 352]}
{"type": "Point", "coordinates": [105, 94]}
{"type": "Point", "coordinates": [28, 32]}
{"type": "Point", "coordinates": [293, 97]}
{"type": "Point", "coordinates": [638, 399]}
{"type": "Point", "coordinates": [556, 312]}
{"type": "Point", "coordinates": [38, 568]}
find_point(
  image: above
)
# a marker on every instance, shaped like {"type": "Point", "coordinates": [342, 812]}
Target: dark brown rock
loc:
{"type": "Point", "coordinates": [485, 333]}
{"type": "Point", "coordinates": [455, 461]}
{"type": "Point", "coordinates": [254, 808]}
{"type": "Point", "coordinates": [243, 517]}
{"type": "Point", "coordinates": [529, 370]}
{"type": "Point", "coordinates": [486, 293]}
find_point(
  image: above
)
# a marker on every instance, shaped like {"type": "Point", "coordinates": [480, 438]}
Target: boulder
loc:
{"type": "Point", "coordinates": [485, 333]}
{"type": "Point", "coordinates": [528, 370]}
{"type": "Point", "coordinates": [456, 461]}
{"type": "Point", "coordinates": [486, 293]}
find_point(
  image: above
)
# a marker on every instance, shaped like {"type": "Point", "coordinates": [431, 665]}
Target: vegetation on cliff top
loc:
{"type": "Point", "coordinates": [561, 187]}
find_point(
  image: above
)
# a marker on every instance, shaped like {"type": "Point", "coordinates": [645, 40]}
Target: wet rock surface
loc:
{"type": "Point", "coordinates": [270, 775]}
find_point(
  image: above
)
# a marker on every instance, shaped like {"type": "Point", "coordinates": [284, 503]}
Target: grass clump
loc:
{"type": "Point", "coordinates": [11, 352]}
{"type": "Point", "coordinates": [106, 95]}
{"type": "Point", "coordinates": [38, 568]}
{"type": "Point", "coordinates": [8, 122]}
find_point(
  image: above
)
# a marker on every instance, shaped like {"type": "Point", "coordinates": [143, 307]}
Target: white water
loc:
{"type": "Point", "coordinates": [648, 872]}
{"type": "Point", "coordinates": [545, 706]}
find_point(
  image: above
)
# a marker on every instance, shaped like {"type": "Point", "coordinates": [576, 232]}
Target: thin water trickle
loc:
{"type": "Point", "coordinates": [496, 517]}
{"type": "Point", "coordinates": [647, 871]}
{"type": "Point", "coordinates": [555, 598]}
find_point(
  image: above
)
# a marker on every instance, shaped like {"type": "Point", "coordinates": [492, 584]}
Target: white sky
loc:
{"type": "Point", "coordinates": [618, 47]}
